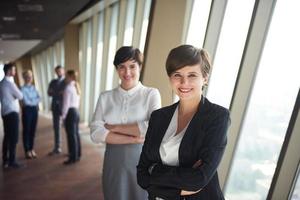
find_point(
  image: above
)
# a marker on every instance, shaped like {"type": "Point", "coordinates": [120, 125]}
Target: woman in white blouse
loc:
{"type": "Point", "coordinates": [121, 121]}
{"type": "Point", "coordinates": [70, 115]}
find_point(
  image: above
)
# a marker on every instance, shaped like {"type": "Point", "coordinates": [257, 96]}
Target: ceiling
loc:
{"type": "Point", "coordinates": [26, 23]}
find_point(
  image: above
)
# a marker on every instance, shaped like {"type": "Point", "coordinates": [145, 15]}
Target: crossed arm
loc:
{"type": "Point", "coordinates": [123, 134]}
{"type": "Point", "coordinates": [183, 180]}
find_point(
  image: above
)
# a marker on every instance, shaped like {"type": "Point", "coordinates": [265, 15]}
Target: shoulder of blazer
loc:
{"type": "Point", "coordinates": [214, 110]}
{"type": "Point", "coordinates": [212, 113]}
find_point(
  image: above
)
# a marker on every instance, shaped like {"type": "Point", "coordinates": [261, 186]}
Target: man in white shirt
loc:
{"type": "Point", "coordinates": [9, 96]}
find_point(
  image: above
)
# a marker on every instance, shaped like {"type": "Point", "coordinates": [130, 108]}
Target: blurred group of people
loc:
{"type": "Point", "coordinates": [65, 93]}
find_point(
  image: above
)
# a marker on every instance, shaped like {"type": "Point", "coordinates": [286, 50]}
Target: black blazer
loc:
{"type": "Point", "coordinates": [55, 90]}
{"type": "Point", "coordinates": [204, 139]}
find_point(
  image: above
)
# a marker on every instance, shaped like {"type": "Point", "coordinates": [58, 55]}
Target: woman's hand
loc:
{"type": "Point", "coordinates": [125, 129]}
{"type": "Point", "coordinates": [197, 164]}
{"type": "Point", "coordinates": [151, 168]}
{"type": "Point", "coordinates": [117, 135]}
{"type": "Point", "coordinates": [110, 127]}
{"type": "Point", "coordinates": [116, 138]}
{"type": "Point", "coordinates": [139, 140]}
{"type": "Point", "coordinates": [185, 193]}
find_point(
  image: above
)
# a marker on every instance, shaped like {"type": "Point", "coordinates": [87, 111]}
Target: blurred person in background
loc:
{"type": "Point", "coordinates": [55, 90]}
{"type": "Point", "coordinates": [70, 115]}
{"type": "Point", "coordinates": [30, 107]}
{"type": "Point", "coordinates": [9, 98]}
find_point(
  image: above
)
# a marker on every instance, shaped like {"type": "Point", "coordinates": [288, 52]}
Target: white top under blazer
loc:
{"type": "Point", "coordinates": [119, 106]}
{"type": "Point", "coordinates": [169, 147]}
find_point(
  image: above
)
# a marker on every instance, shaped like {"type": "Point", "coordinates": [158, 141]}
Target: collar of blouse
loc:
{"type": "Point", "coordinates": [131, 91]}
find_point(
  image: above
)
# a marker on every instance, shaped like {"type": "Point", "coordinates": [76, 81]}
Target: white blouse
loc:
{"type": "Point", "coordinates": [119, 106]}
{"type": "Point", "coordinates": [70, 99]}
{"type": "Point", "coordinates": [9, 96]}
{"type": "Point", "coordinates": [169, 147]}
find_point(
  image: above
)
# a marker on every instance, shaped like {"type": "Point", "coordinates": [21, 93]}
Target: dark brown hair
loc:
{"type": "Point", "coordinates": [58, 67]}
{"type": "Point", "coordinates": [126, 53]}
{"type": "Point", "coordinates": [8, 67]}
{"type": "Point", "coordinates": [188, 55]}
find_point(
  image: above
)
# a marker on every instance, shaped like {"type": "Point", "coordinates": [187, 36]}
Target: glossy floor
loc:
{"type": "Point", "coordinates": [46, 178]}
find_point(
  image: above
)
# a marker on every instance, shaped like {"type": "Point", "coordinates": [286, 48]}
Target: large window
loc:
{"type": "Point", "coordinates": [229, 51]}
{"type": "Point", "coordinates": [43, 65]}
{"type": "Point", "coordinates": [270, 107]}
{"type": "Point", "coordinates": [129, 23]}
{"type": "Point", "coordinates": [88, 67]}
{"type": "Point", "coordinates": [112, 46]}
{"type": "Point", "coordinates": [198, 22]}
{"type": "Point", "coordinates": [145, 24]}
{"type": "Point", "coordinates": [85, 64]}
{"type": "Point", "coordinates": [100, 43]}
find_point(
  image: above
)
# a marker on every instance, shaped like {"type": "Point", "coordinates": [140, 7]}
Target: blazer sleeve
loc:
{"type": "Point", "coordinates": [143, 175]}
{"type": "Point", "coordinates": [50, 88]}
{"type": "Point", "coordinates": [191, 179]}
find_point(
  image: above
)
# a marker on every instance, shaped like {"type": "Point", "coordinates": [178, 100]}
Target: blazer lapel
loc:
{"type": "Point", "coordinates": [163, 124]}
{"type": "Point", "coordinates": [192, 129]}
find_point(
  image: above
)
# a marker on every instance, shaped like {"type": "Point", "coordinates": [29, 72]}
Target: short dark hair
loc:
{"type": "Point", "coordinates": [8, 67]}
{"type": "Point", "coordinates": [188, 55]}
{"type": "Point", "coordinates": [126, 53]}
{"type": "Point", "coordinates": [58, 67]}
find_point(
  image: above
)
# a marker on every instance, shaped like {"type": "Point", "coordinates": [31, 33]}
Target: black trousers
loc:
{"type": "Point", "coordinates": [29, 120]}
{"type": "Point", "coordinates": [10, 140]}
{"type": "Point", "coordinates": [56, 114]}
{"type": "Point", "coordinates": [72, 130]}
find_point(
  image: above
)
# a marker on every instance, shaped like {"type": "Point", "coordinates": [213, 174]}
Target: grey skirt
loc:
{"type": "Point", "coordinates": [119, 172]}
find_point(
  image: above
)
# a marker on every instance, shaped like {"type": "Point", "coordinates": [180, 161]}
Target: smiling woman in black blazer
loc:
{"type": "Point", "coordinates": [185, 141]}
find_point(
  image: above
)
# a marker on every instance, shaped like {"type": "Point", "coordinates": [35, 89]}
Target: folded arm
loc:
{"type": "Point", "coordinates": [124, 129]}
{"type": "Point", "coordinates": [66, 103]}
{"type": "Point", "coordinates": [115, 138]}
{"type": "Point", "coordinates": [193, 179]}
{"type": "Point", "coordinates": [139, 128]}
{"type": "Point", "coordinates": [112, 134]}
{"type": "Point", "coordinates": [16, 92]}
{"type": "Point", "coordinates": [50, 90]}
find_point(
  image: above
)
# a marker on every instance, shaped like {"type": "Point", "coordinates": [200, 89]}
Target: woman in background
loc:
{"type": "Point", "coordinates": [185, 141]}
{"type": "Point", "coordinates": [70, 115]}
{"type": "Point", "coordinates": [30, 107]}
{"type": "Point", "coordinates": [121, 121]}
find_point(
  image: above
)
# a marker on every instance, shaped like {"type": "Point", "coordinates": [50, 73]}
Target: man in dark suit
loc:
{"type": "Point", "coordinates": [55, 90]}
